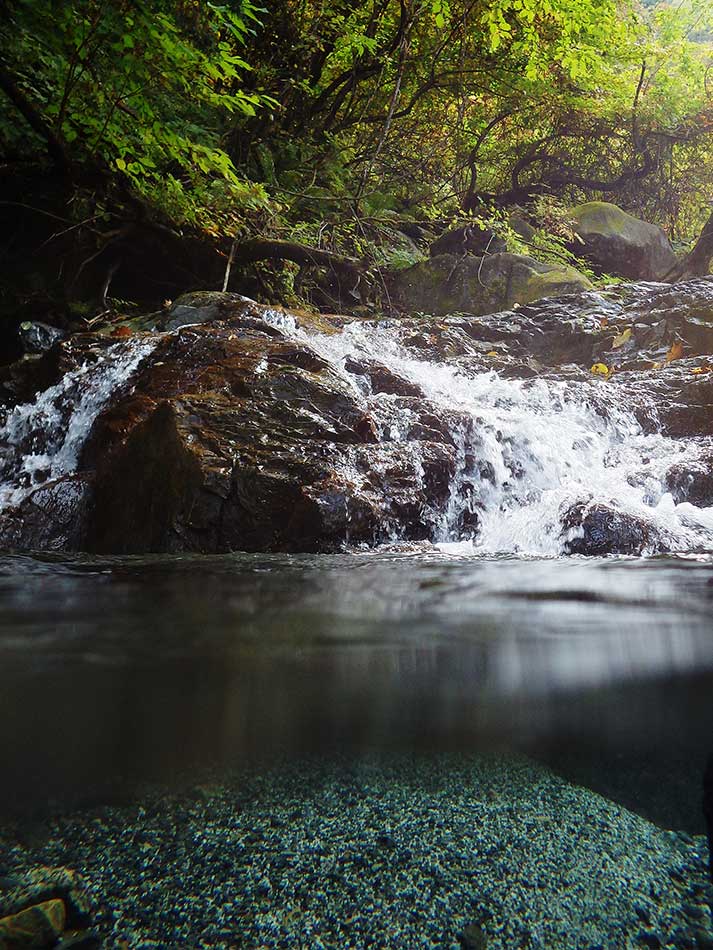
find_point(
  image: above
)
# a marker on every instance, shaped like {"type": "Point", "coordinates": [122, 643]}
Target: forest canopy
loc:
{"type": "Point", "coordinates": [322, 121]}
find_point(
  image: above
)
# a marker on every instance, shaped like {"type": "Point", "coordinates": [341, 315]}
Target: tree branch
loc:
{"type": "Point", "coordinates": [35, 120]}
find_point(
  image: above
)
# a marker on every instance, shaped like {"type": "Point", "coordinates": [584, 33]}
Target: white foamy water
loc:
{"type": "Point", "coordinates": [540, 447]}
{"type": "Point", "coordinates": [42, 440]}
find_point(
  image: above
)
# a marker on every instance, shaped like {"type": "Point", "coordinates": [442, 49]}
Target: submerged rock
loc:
{"type": "Point", "coordinates": [708, 809]}
{"type": "Point", "coordinates": [48, 884]}
{"type": "Point", "coordinates": [473, 938]}
{"type": "Point", "coordinates": [35, 927]}
{"type": "Point", "coordinates": [617, 243]}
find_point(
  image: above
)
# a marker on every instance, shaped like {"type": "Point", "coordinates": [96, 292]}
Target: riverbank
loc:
{"type": "Point", "coordinates": [447, 851]}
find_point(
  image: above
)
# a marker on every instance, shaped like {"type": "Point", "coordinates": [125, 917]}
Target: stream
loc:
{"type": "Point", "coordinates": [431, 613]}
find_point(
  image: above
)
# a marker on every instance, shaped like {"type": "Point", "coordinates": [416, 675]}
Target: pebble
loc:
{"type": "Point", "coordinates": [398, 853]}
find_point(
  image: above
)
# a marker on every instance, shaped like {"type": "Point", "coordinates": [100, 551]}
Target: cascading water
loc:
{"type": "Point", "coordinates": [542, 447]}
{"type": "Point", "coordinates": [42, 440]}
{"type": "Point", "coordinates": [527, 452]}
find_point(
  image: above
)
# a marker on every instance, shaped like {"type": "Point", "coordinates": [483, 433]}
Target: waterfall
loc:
{"type": "Point", "coordinates": [542, 446]}
{"type": "Point", "coordinates": [42, 440]}
{"type": "Point", "coordinates": [527, 452]}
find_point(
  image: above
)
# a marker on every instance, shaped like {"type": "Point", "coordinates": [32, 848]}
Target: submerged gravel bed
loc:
{"type": "Point", "coordinates": [429, 852]}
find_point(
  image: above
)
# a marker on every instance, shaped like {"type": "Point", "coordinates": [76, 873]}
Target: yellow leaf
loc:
{"type": "Point", "coordinates": [706, 368]}
{"type": "Point", "coordinates": [656, 365]}
{"type": "Point", "coordinates": [675, 353]}
{"type": "Point", "coordinates": [600, 369]}
{"type": "Point", "coordinates": [623, 338]}
{"type": "Point", "coordinates": [492, 353]}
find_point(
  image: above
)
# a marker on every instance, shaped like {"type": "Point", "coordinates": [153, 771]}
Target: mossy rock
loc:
{"type": "Point", "coordinates": [480, 285]}
{"type": "Point", "coordinates": [614, 242]}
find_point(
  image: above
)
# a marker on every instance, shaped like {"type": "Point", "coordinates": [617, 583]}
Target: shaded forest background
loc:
{"type": "Point", "coordinates": [152, 147]}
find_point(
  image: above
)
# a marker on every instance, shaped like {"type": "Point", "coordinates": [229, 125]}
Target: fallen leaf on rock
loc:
{"type": "Point", "coordinates": [623, 338]}
{"type": "Point", "coordinates": [702, 369]}
{"type": "Point", "coordinates": [600, 369]}
{"type": "Point", "coordinates": [492, 353]}
{"type": "Point", "coordinates": [121, 331]}
{"type": "Point", "coordinates": [675, 353]}
{"type": "Point", "coordinates": [604, 323]}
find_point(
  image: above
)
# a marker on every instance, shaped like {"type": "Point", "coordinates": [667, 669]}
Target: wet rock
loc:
{"type": "Point", "coordinates": [38, 337]}
{"type": "Point", "coordinates": [684, 400]}
{"type": "Point", "coordinates": [597, 530]}
{"type": "Point", "coordinates": [616, 243]}
{"type": "Point", "coordinates": [239, 433]}
{"type": "Point", "coordinates": [204, 307]}
{"type": "Point", "coordinates": [37, 926]}
{"type": "Point", "coordinates": [208, 306]}
{"type": "Point", "coordinates": [237, 439]}
{"type": "Point", "coordinates": [480, 285]}
{"type": "Point", "coordinates": [691, 482]}
{"type": "Point", "coordinates": [53, 517]}
{"type": "Point", "coordinates": [381, 378]}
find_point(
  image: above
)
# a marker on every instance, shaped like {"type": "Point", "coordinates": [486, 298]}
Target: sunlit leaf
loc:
{"type": "Point", "coordinates": [600, 369]}
{"type": "Point", "coordinates": [675, 352]}
{"type": "Point", "coordinates": [622, 338]}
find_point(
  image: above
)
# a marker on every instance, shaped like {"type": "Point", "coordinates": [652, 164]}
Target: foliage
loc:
{"type": "Point", "coordinates": [461, 106]}
{"type": "Point", "coordinates": [328, 121]}
{"type": "Point", "coordinates": [140, 91]}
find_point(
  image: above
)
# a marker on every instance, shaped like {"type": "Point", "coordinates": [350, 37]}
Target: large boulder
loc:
{"type": "Point", "coordinates": [617, 243]}
{"type": "Point", "coordinates": [237, 434]}
{"type": "Point", "coordinates": [450, 283]}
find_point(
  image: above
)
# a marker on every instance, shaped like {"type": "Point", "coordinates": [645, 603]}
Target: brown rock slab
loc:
{"type": "Point", "coordinates": [38, 926]}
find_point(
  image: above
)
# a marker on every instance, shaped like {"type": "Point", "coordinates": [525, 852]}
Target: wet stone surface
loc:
{"type": "Point", "coordinates": [249, 428]}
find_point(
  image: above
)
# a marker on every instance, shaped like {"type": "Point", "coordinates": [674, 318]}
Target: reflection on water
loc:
{"type": "Point", "coordinates": [119, 669]}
